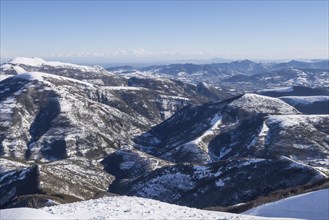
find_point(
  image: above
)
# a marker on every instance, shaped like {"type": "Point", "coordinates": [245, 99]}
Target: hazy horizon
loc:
{"type": "Point", "coordinates": [162, 62]}
{"type": "Point", "coordinates": [159, 31]}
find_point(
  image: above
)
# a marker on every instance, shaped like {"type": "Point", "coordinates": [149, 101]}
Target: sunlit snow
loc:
{"type": "Point", "coordinates": [314, 205]}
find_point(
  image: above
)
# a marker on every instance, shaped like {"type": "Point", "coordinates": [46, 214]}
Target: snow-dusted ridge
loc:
{"type": "Point", "coordinates": [263, 104]}
{"type": "Point", "coordinates": [42, 77]}
{"type": "Point", "coordinates": [38, 62]}
{"type": "Point", "coordinates": [28, 61]}
{"type": "Point", "coordinates": [280, 89]}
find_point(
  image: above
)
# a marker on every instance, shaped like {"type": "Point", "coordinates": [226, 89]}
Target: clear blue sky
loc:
{"type": "Point", "coordinates": [115, 31]}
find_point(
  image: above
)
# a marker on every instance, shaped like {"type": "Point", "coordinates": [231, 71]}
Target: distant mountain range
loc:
{"type": "Point", "coordinates": [240, 75]}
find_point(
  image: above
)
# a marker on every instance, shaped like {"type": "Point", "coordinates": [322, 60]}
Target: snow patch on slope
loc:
{"type": "Point", "coordinates": [124, 88]}
{"type": "Point", "coordinates": [3, 77]}
{"type": "Point", "coordinates": [19, 69]}
{"type": "Point", "coordinates": [313, 205]}
{"type": "Point", "coordinates": [215, 122]}
{"type": "Point", "coordinates": [42, 77]}
{"type": "Point", "coordinates": [281, 89]}
{"type": "Point", "coordinates": [198, 146]}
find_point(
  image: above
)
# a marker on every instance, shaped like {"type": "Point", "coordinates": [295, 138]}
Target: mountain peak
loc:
{"type": "Point", "coordinates": [35, 61]}
{"type": "Point", "coordinates": [263, 104]}
{"type": "Point", "coordinates": [38, 62]}
{"type": "Point", "coordinates": [246, 61]}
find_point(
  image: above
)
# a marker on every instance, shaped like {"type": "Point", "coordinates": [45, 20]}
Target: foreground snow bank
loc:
{"type": "Point", "coordinates": [124, 207]}
{"type": "Point", "coordinates": [26, 213]}
{"type": "Point", "coordinates": [120, 207]}
{"type": "Point", "coordinates": [313, 205]}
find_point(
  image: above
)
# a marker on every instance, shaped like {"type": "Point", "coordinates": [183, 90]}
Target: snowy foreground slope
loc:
{"type": "Point", "coordinates": [26, 214]}
{"type": "Point", "coordinates": [314, 205]}
{"type": "Point", "coordinates": [121, 207]}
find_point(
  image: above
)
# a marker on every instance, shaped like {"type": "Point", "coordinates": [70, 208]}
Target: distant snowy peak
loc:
{"type": "Point", "coordinates": [263, 104]}
{"type": "Point", "coordinates": [27, 61]}
{"type": "Point", "coordinates": [38, 62]}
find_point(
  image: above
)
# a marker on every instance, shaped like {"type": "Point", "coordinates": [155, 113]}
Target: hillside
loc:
{"type": "Point", "coordinates": [77, 133]}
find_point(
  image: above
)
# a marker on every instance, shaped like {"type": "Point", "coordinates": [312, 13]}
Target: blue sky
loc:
{"type": "Point", "coordinates": [138, 31]}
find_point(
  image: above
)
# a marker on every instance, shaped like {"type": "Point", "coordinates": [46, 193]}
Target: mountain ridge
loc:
{"type": "Point", "coordinates": [98, 132]}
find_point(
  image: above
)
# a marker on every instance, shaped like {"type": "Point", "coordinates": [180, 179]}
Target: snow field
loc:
{"type": "Point", "coordinates": [313, 205]}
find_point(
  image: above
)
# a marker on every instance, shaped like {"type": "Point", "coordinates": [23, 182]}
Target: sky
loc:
{"type": "Point", "coordinates": [145, 31]}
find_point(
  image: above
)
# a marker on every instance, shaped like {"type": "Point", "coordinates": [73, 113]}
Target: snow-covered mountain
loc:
{"type": "Point", "coordinates": [38, 62]}
{"type": "Point", "coordinates": [167, 95]}
{"type": "Point", "coordinates": [93, 74]}
{"type": "Point", "coordinates": [71, 132]}
{"type": "Point", "coordinates": [244, 126]}
{"type": "Point", "coordinates": [242, 75]}
{"type": "Point", "coordinates": [280, 78]}
{"type": "Point", "coordinates": [19, 63]}
{"type": "Point", "coordinates": [237, 144]}
{"type": "Point", "coordinates": [97, 75]}
{"type": "Point", "coordinates": [63, 122]}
